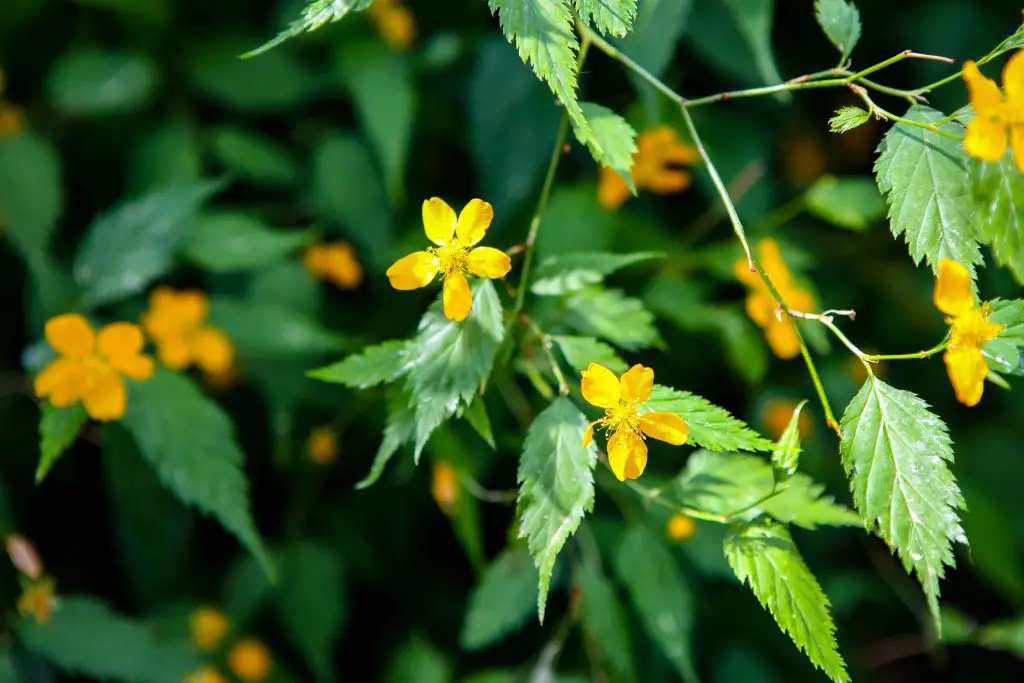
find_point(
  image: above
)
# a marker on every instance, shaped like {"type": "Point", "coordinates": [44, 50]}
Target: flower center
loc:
{"type": "Point", "coordinates": [621, 417]}
{"type": "Point", "coordinates": [973, 329]}
{"type": "Point", "coordinates": [451, 258]}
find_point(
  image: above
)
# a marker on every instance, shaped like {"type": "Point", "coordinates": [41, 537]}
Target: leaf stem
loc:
{"type": "Point", "coordinates": [547, 344]}
{"type": "Point", "coordinates": [885, 114]}
{"type": "Point", "coordinates": [995, 52]}
{"type": "Point", "coordinates": [826, 319]}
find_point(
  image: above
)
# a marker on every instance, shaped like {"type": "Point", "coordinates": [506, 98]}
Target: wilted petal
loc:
{"type": "Point", "coordinates": [438, 221]}
{"type": "Point", "coordinates": [627, 455]}
{"type": "Point", "coordinates": [473, 222]}
{"type": "Point", "coordinates": [667, 427]}
{"type": "Point", "coordinates": [600, 386]}
{"type": "Point", "coordinates": [489, 262]}
{"type": "Point", "coordinates": [456, 297]}
{"type": "Point", "coordinates": [106, 397]}
{"type": "Point", "coordinates": [636, 383]}
{"type": "Point", "coordinates": [967, 370]}
{"type": "Point", "coordinates": [416, 270]}
{"type": "Point", "coordinates": [70, 335]}
{"type": "Point", "coordinates": [952, 293]}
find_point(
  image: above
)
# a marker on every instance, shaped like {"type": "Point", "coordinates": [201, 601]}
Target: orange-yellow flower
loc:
{"type": "Point", "coordinates": [249, 659]}
{"type": "Point", "coordinates": [761, 305]}
{"type": "Point", "coordinates": [176, 322]}
{"type": "Point", "coordinates": [322, 445]}
{"type": "Point", "coordinates": [680, 527]}
{"type": "Point", "coordinates": [453, 256]}
{"type": "Point", "coordinates": [335, 263]}
{"type": "Point", "coordinates": [659, 152]}
{"type": "Point", "coordinates": [970, 330]}
{"type": "Point", "coordinates": [24, 556]}
{"type": "Point", "coordinates": [12, 120]}
{"type": "Point", "coordinates": [208, 627]}
{"type": "Point", "coordinates": [90, 365]}
{"type": "Point", "coordinates": [395, 22]}
{"type": "Point", "coordinates": [777, 414]}
{"type": "Point", "coordinates": [206, 674]}
{"type": "Point", "coordinates": [38, 599]}
{"type": "Point", "coordinates": [994, 113]}
{"type": "Point", "coordinates": [622, 398]}
{"type": "Point", "coordinates": [444, 487]}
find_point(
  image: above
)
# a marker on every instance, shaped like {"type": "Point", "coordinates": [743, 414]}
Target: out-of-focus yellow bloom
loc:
{"type": "Point", "coordinates": [12, 120]}
{"type": "Point", "coordinates": [335, 263]}
{"type": "Point", "coordinates": [453, 256]}
{"type": "Point", "coordinates": [444, 487]}
{"type": "Point", "coordinates": [970, 328]}
{"type": "Point", "coordinates": [206, 674]}
{"type": "Point", "coordinates": [622, 398]}
{"type": "Point", "coordinates": [224, 380]}
{"type": "Point", "coordinates": [681, 527]}
{"type": "Point", "coordinates": [208, 626]}
{"type": "Point", "coordinates": [90, 365]}
{"type": "Point", "coordinates": [804, 160]}
{"type": "Point", "coordinates": [24, 556]}
{"type": "Point", "coordinates": [249, 659]}
{"type": "Point", "coordinates": [761, 305]}
{"type": "Point", "coordinates": [395, 22]}
{"type": "Point", "coordinates": [777, 413]}
{"type": "Point", "coordinates": [322, 445]}
{"type": "Point", "coordinates": [994, 113]}
{"type": "Point", "coordinates": [659, 152]}
{"type": "Point", "coordinates": [38, 599]}
{"type": "Point", "coordinates": [176, 322]}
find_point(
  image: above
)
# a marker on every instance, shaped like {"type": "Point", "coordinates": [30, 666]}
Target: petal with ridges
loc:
{"type": "Point", "coordinates": [627, 455]}
{"type": "Point", "coordinates": [416, 270]}
{"type": "Point", "coordinates": [636, 384]}
{"type": "Point", "coordinates": [952, 293]}
{"type": "Point", "coordinates": [70, 335]}
{"type": "Point", "coordinates": [438, 221]}
{"type": "Point", "coordinates": [600, 386]}
{"type": "Point", "coordinates": [667, 427]}
{"type": "Point", "coordinates": [473, 222]}
{"type": "Point", "coordinates": [456, 297]}
{"type": "Point", "coordinates": [489, 262]}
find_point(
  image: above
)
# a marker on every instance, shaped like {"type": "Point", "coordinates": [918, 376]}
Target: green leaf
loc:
{"type": "Point", "coordinates": [852, 203]}
{"type": "Point", "coordinates": [400, 429]}
{"type": "Point", "coordinates": [254, 157]}
{"type": "Point", "coordinates": [580, 352]}
{"type": "Point", "coordinates": [245, 590]}
{"type": "Point", "coordinates": [94, 82]}
{"type": "Point", "coordinates": [611, 315]}
{"type": "Point", "coordinates": [225, 242]}
{"type": "Point", "coordinates": [658, 26]}
{"type": "Point", "coordinates": [135, 242]}
{"type": "Point", "coordinates": [660, 594]}
{"type": "Point", "coordinates": [754, 19]}
{"type": "Point", "coordinates": [379, 364]}
{"type": "Point", "coordinates": [556, 485]}
{"type": "Point", "coordinates": [569, 272]}
{"type": "Point", "coordinates": [710, 426]}
{"type": "Point", "coordinates": [604, 621]}
{"type": "Point", "coordinates": [786, 455]}
{"type": "Point", "coordinates": [763, 556]}
{"type": "Point", "coordinates": [1003, 352]}
{"type": "Point", "coordinates": [476, 415]}
{"type": "Point", "coordinates": [191, 443]}
{"type": "Point", "coordinates": [613, 143]}
{"type": "Point", "coordinates": [503, 600]}
{"type": "Point", "coordinates": [924, 177]}
{"type": "Point", "coordinates": [724, 484]}
{"type": "Point", "coordinates": [85, 638]}
{"type": "Point", "coordinates": [58, 429]}
{"type": "Point", "coordinates": [608, 16]}
{"type": "Point", "coordinates": [166, 155]}
{"type": "Point", "coordinates": [994, 553]}
{"type": "Point", "coordinates": [840, 21]}
{"type": "Point", "coordinates": [998, 191]}
{"type": "Point", "coordinates": [31, 195]}
{"type": "Point", "coordinates": [311, 603]}
{"type": "Point", "coordinates": [848, 118]}
{"type": "Point", "coordinates": [583, 224]}
{"type": "Point", "coordinates": [421, 662]}
{"type": "Point", "coordinates": [262, 330]}
{"type": "Point", "coordinates": [895, 452]}
{"type": "Point", "coordinates": [1007, 636]}
{"type": "Point", "coordinates": [316, 14]}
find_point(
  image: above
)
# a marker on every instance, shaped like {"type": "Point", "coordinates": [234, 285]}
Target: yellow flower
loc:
{"type": "Point", "coordinates": [208, 626]}
{"type": "Point", "coordinates": [322, 445]}
{"type": "Point", "coordinates": [249, 659]}
{"type": "Point", "coordinates": [777, 413]}
{"type": "Point", "coordinates": [970, 328]}
{"type": "Point", "coordinates": [761, 305]}
{"type": "Point", "coordinates": [658, 152]}
{"type": "Point", "coordinates": [994, 113]}
{"type": "Point", "coordinates": [453, 255]}
{"type": "Point", "coordinates": [12, 120]}
{"type": "Point", "coordinates": [335, 263]}
{"type": "Point", "coordinates": [24, 556]}
{"type": "Point", "coordinates": [38, 599]}
{"type": "Point", "coordinates": [176, 321]}
{"type": "Point", "coordinates": [206, 674]}
{"type": "Point", "coordinates": [444, 487]}
{"type": "Point", "coordinates": [680, 527]}
{"type": "Point", "coordinates": [804, 160]}
{"type": "Point", "coordinates": [90, 365]}
{"type": "Point", "coordinates": [395, 22]}
{"type": "Point", "coordinates": [622, 399]}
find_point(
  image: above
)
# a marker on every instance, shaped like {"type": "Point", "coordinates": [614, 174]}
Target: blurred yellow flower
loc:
{"type": "Point", "coordinates": [658, 154]}
{"type": "Point", "coordinates": [777, 413]}
{"type": "Point", "coordinates": [90, 365]}
{"type": "Point", "coordinates": [680, 527]}
{"type": "Point", "coordinates": [444, 487]}
{"type": "Point", "coordinates": [322, 445]}
{"type": "Point", "coordinates": [453, 255]}
{"type": "Point", "coordinates": [622, 399]}
{"type": "Point", "coordinates": [12, 120]}
{"type": "Point", "coordinates": [38, 599]}
{"type": "Point", "coordinates": [994, 114]}
{"type": "Point", "coordinates": [176, 322]}
{"type": "Point", "coordinates": [24, 556]}
{"type": "Point", "coordinates": [761, 305]}
{"type": "Point", "coordinates": [804, 160]}
{"type": "Point", "coordinates": [395, 22]}
{"type": "Point", "coordinates": [249, 659]}
{"type": "Point", "coordinates": [335, 263]}
{"type": "Point", "coordinates": [970, 328]}
{"type": "Point", "coordinates": [208, 627]}
{"type": "Point", "coordinates": [206, 674]}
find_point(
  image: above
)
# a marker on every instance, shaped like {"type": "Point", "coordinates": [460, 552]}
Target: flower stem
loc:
{"type": "Point", "coordinates": [995, 52]}
{"type": "Point", "coordinates": [546, 343]}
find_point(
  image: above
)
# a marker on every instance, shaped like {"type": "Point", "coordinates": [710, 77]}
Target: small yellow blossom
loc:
{"type": "Point", "coordinates": [208, 626]}
{"type": "Point", "coordinates": [453, 256]}
{"type": "Point", "coordinates": [335, 263]}
{"type": "Point", "coordinates": [322, 445]}
{"type": "Point", "coordinates": [444, 487]}
{"type": "Point", "coordinates": [24, 556]}
{"type": "Point", "coordinates": [90, 365]}
{"type": "Point", "coordinates": [778, 412]}
{"type": "Point", "coordinates": [12, 120]}
{"type": "Point", "coordinates": [970, 328]}
{"type": "Point", "coordinates": [38, 599]}
{"type": "Point", "coordinates": [249, 659]}
{"type": "Point", "coordinates": [994, 113]}
{"type": "Point", "coordinates": [658, 154]}
{"type": "Point", "coordinates": [761, 305]}
{"type": "Point", "coordinates": [206, 674]}
{"type": "Point", "coordinates": [395, 22]}
{"type": "Point", "coordinates": [622, 398]}
{"type": "Point", "coordinates": [681, 527]}
{"type": "Point", "coordinates": [176, 322]}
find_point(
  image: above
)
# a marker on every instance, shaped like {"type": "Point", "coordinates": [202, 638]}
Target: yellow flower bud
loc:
{"type": "Point", "coordinates": [681, 527]}
{"type": "Point", "coordinates": [209, 626]}
{"type": "Point", "coordinates": [38, 599]}
{"type": "Point", "coordinates": [322, 445]}
{"type": "Point", "coordinates": [24, 556]}
{"type": "Point", "coordinates": [444, 487]}
{"type": "Point", "coordinates": [249, 659]}
{"type": "Point", "coordinates": [206, 674]}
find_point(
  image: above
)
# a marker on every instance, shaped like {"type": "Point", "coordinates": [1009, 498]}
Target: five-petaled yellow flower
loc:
{"type": "Point", "coordinates": [761, 305]}
{"type": "Point", "coordinates": [658, 154]}
{"type": "Point", "coordinates": [395, 22]}
{"type": "Point", "coordinates": [322, 445]}
{"type": "Point", "coordinates": [90, 365]}
{"type": "Point", "coordinates": [453, 256]}
{"type": "Point", "coordinates": [335, 263]}
{"type": "Point", "coordinates": [994, 113]}
{"type": "Point", "coordinates": [970, 329]}
{"type": "Point", "coordinates": [208, 627]}
{"type": "Point", "coordinates": [176, 322]}
{"type": "Point", "coordinates": [11, 118]}
{"type": "Point", "coordinates": [622, 398]}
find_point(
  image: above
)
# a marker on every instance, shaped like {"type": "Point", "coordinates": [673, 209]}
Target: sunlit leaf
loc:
{"type": "Point", "coordinates": [710, 426]}
{"type": "Point", "coordinates": [840, 21]}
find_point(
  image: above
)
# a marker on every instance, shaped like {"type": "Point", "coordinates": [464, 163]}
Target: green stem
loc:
{"type": "Point", "coordinates": [995, 52]}
{"type": "Point", "coordinates": [938, 348]}
{"type": "Point", "coordinates": [878, 111]}
{"type": "Point", "coordinates": [546, 343]}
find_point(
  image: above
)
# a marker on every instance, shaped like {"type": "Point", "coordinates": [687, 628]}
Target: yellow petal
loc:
{"type": "Point", "coordinates": [61, 381]}
{"type": "Point", "coordinates": [612, 190]}
{"type": "Point", "coordinates": [627, 455]}
{"type": "Point", "coordinates": [213, 350]}
{"type": "Point", "coordinates": [985, 138]}
{"type": "Point", "coordinates": [456, 297]}
{"type": "Point", "coordinates": [342, 267]}
{"type": "Point", "coordinates": [588, 435]}
{"type": "Point", "coordinates": [600, 386]}
{"type": "Point", "coordinates": [760, 307]}
{"type": "Point", "coordinates": [1017, 144]}
{"type": "Point", "coordinates": [106, 397]}
{"type": "Point", "coordinates": [773, 263]}
{"type": "Point", "coordinates": [668, 181]}
{"type": "Point", "coordinates": [473, 222]}
{"type": "Point", "coordinates": [438, 221]}
{"type": "Point", "coordinates": [782, 339]}
{"type": "Point", "coordinates": [413, 271]}
{"type": "Point", "coordinates": [636, 383]}
{"type": "Point", "coordinates": [119, 341]}
{"type": "Point", "coordinates": [952, 293]}
{"type": "Point", "coordinates": [667, 427]}
{"type": "Point", "coordinates": [489, 262]}
{"type": "Point", "coordinates": [745, 275]}
{"type": "Point", "coordinates": [174, 352]}
{"type": "Point", "coordinates": [967, 370]}
{"type": "Point", "coordinates": [315, 260]}
{"type": "Point", "coordinates": [983, 92]}
{"type": "Point", "coordinates": [70, 335]}
{"type": "Point", "coordinates": [1013, 78]}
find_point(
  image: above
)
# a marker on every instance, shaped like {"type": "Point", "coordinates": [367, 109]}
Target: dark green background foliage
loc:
{"type": "Point", "coordinates": [333, 135]}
